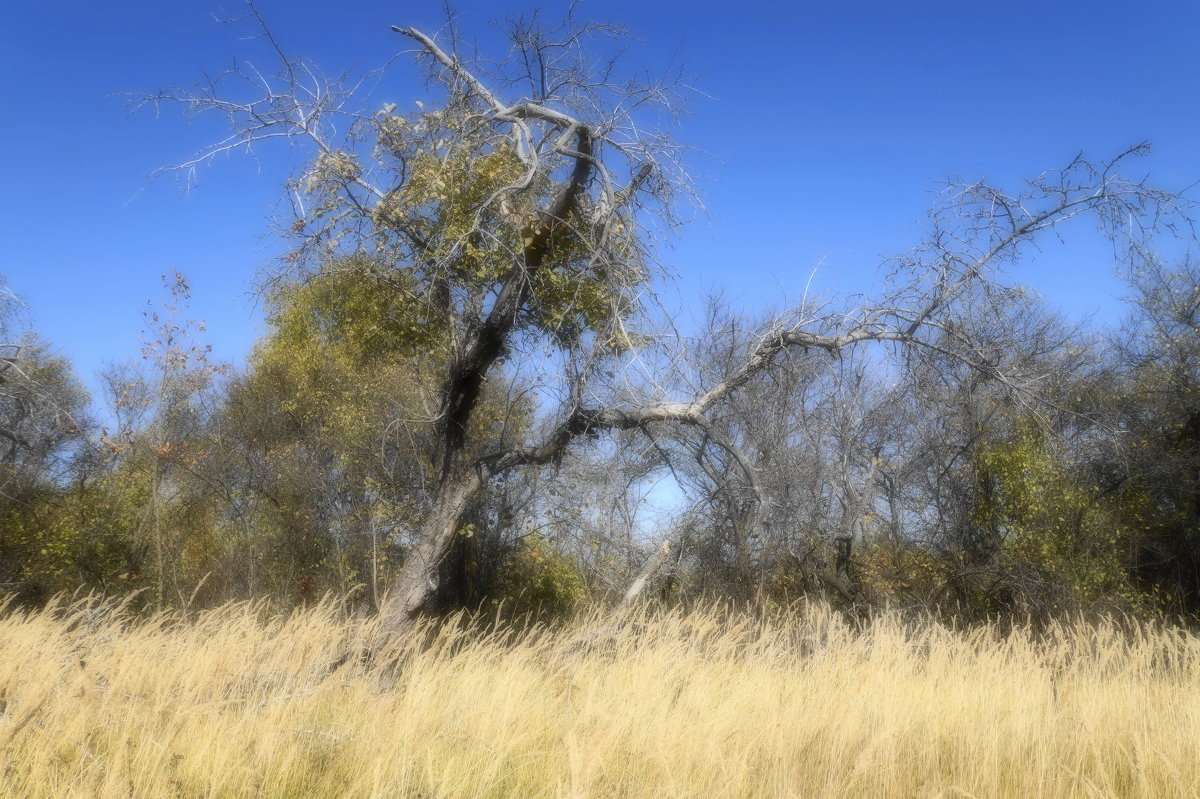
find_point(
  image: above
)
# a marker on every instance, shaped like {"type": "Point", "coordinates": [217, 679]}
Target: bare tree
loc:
{"type": "Point", "coordinates": [512, 223]}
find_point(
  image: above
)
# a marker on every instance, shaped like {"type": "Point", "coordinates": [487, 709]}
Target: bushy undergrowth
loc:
{"type": "Point", "coordinates": [240, 702]}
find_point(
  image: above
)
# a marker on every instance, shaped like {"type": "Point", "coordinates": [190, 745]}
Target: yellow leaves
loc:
{"type": "Point", "coordinates": [459, 183]}
{"type": "Point", "coordinates": [352, 313]}
{"type": "Point", "coordinates": [338, 167]}
{"type": "Point", "coordinates": [536, 576]}
{"type": "Point", "coordinates": [475, 212]}
{"type": "Point", "coordinates": [1051, 520]}
{"type": "Point", "coordinates": [350, 360]}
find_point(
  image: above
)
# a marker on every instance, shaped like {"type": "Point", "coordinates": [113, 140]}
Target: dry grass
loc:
{"type": "Point", "coordinates": [234, 703]}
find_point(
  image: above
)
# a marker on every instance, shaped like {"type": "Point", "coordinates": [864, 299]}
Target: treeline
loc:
{"type": "Point", "coordinates": [469, 396]}
{"type": "Point", "coordinates": [1053, 469]}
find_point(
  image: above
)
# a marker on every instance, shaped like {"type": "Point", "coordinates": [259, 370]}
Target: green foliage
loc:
{"type": "Point", "coordinates": [1153, 466]}
{"type": "Point", "coordinates": [537, 578]}
{"type": "Point", "coordinates": [353, 313]}
{"type": "Point", "coordinates": [335, 423]}
{"type": "Point", "coordinates": [1051, 522]}
{"type": "Point", "coordinates": [473, 206]}
{"type": "Point", "coordinates": [54, 523]}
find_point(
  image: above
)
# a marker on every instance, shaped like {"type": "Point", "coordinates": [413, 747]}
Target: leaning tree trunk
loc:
{"type": "Point", "coordinates": [418, 580]}
{"type": "Point", "coordinates": [463, 390]}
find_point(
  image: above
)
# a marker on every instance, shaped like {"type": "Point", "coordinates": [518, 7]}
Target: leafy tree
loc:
{"type": "Point", "coordinates": [1149, 460]}
{"type": "Point", "coordinates": [1051, 526]}
{"type": "Point", "coordinates": [44, 414]}
{"type": "Point", "coordinates": [333, 464]}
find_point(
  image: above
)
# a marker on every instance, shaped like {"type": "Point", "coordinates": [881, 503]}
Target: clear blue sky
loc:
{"type": "Point", "coordinates": [828, 126]}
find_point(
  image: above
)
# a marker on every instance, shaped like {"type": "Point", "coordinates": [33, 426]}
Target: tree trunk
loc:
{"type": "Point", "coordinates": [418, 579]}
{"type": "Point", "coordinates": [647, 572]}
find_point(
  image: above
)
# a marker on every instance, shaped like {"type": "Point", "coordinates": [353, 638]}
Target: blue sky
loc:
{"type": "Point", "coordinates": [826, 130]}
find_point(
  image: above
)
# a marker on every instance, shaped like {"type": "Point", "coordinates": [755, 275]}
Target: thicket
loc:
{"type": "Point", "coordinates": [301, 475]}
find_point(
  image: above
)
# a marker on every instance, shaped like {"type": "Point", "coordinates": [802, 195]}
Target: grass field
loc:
{"type": "Point", "coordinates": [238, 703]}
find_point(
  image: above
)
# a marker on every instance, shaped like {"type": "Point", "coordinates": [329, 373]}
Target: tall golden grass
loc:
{"type": "Point", "coordinates": [235, 702]}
